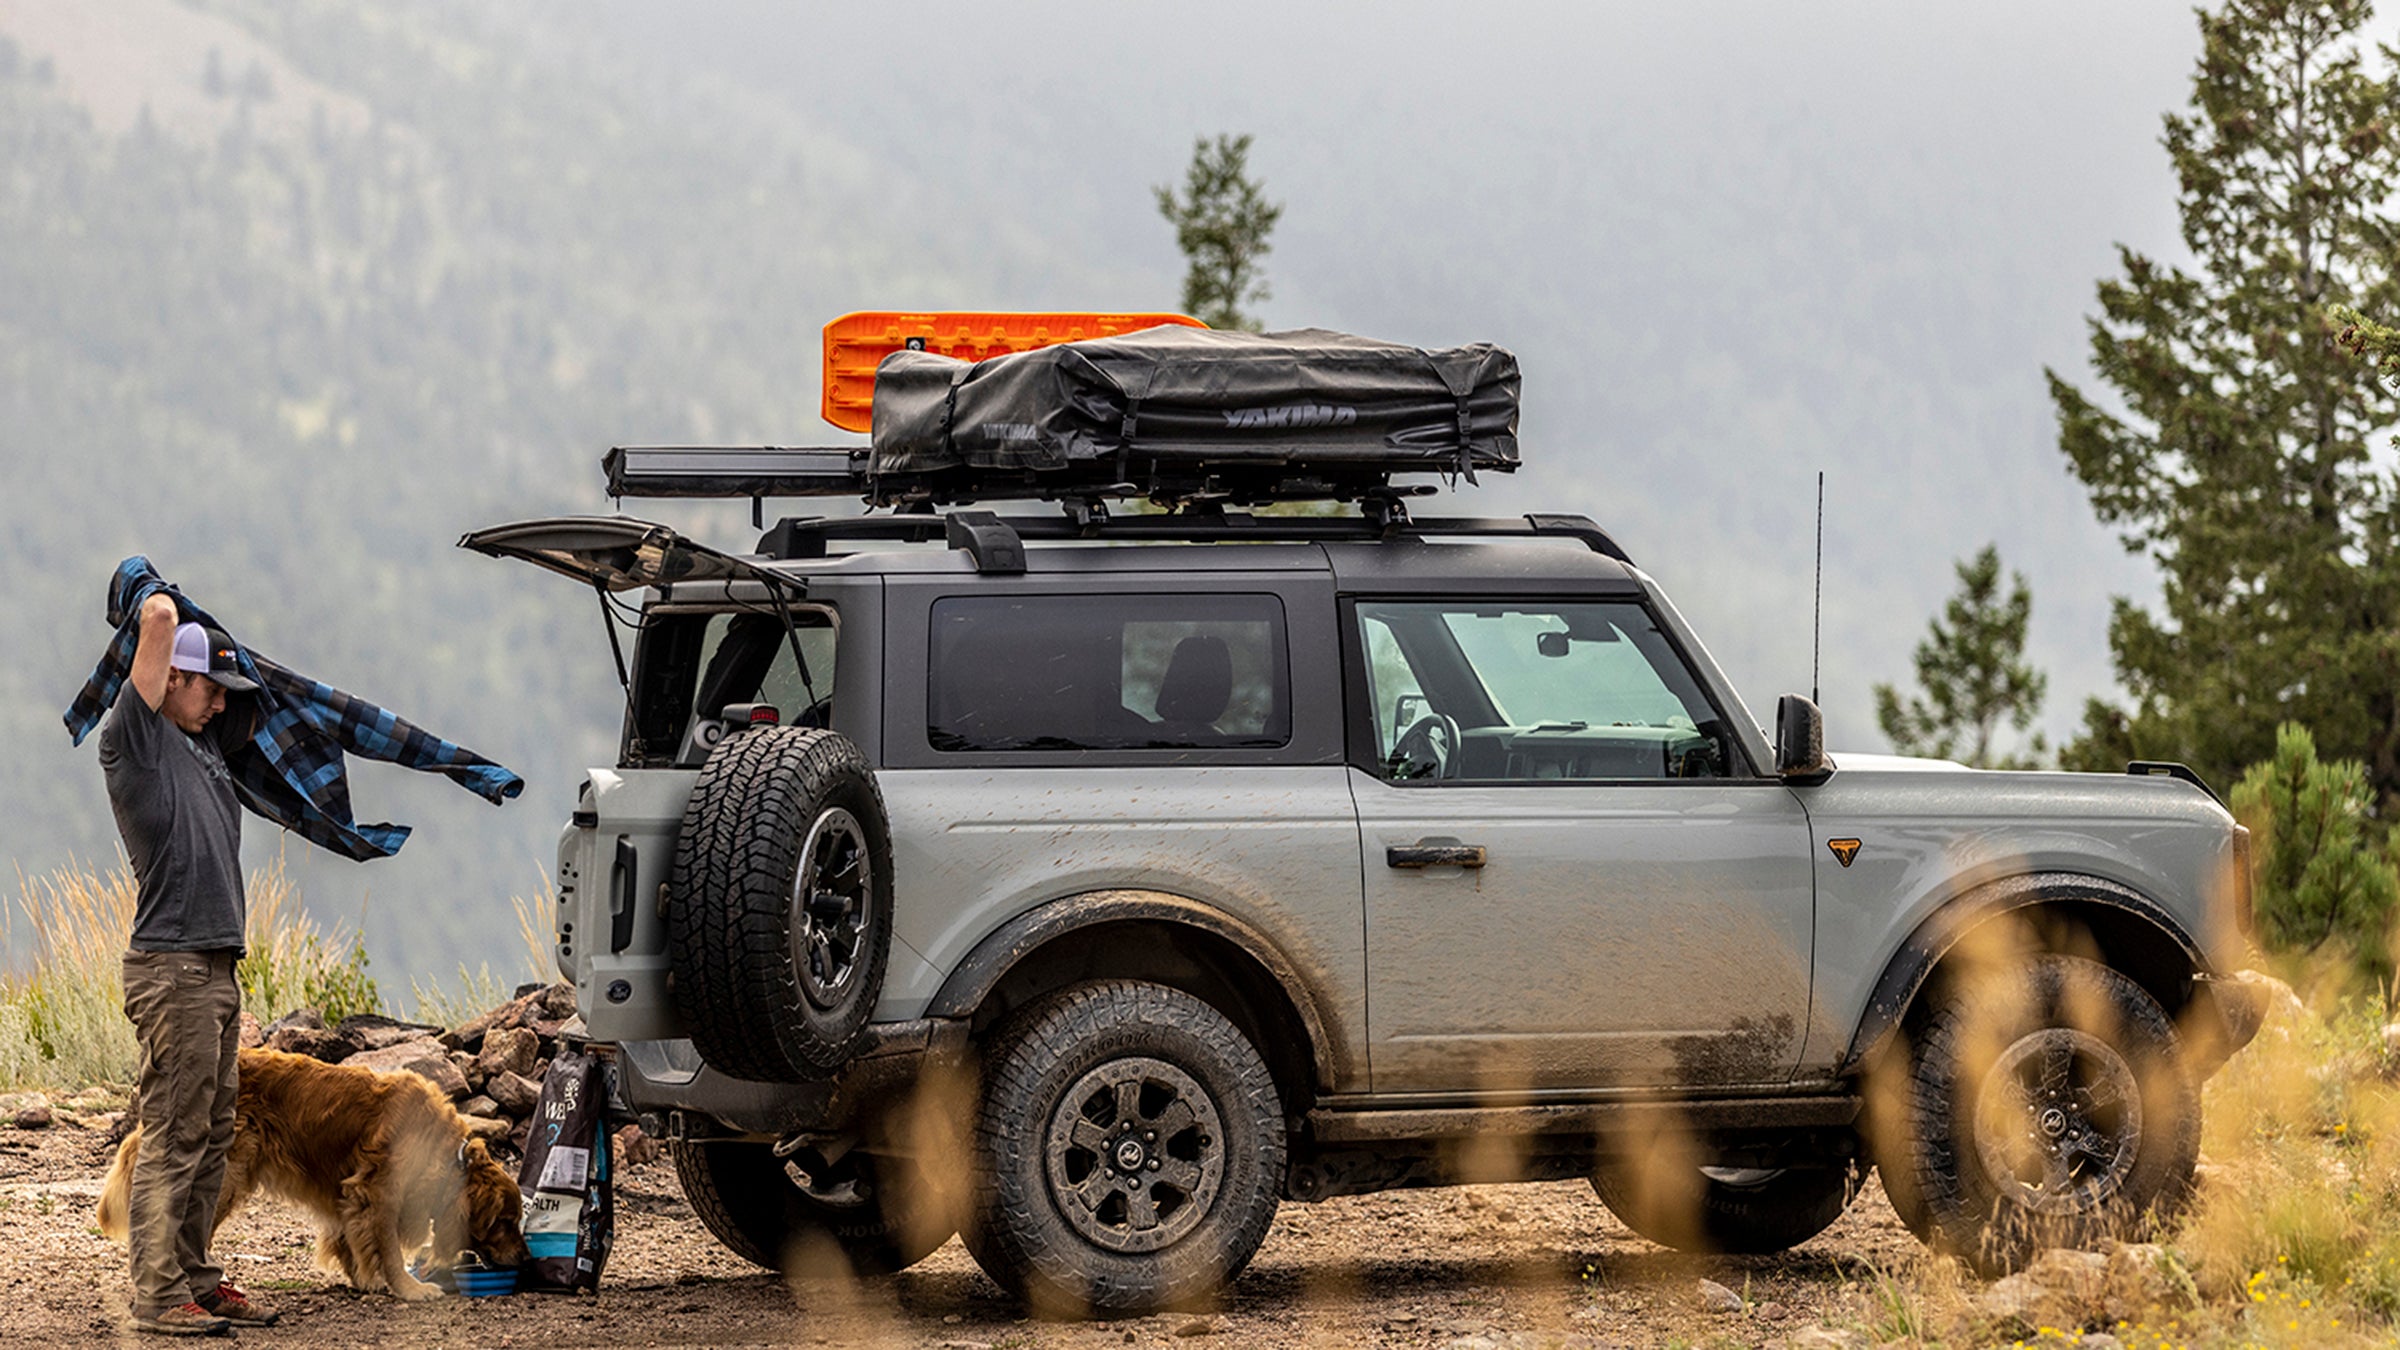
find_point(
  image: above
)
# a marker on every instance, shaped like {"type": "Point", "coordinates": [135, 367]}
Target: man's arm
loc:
{"type": "Point", "coordinates": [152, 650]}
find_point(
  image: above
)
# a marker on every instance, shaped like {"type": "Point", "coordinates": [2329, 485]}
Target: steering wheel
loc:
{"type": "Point", "coordinates": [1428, 749]}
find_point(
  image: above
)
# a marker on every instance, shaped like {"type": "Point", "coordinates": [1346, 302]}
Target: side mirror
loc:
{"type": "Point", "coordinates": [1800, 741]}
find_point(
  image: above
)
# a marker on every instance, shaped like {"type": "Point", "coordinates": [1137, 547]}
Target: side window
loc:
{"type": "Point", "coordinates": [691, 663]}
{"type": "Point", "coordinates": [1533, 692]}
{"type": "Point", "coordinates": [749, 660]}
{"type": "Point", "coordinates": [1108, 672]}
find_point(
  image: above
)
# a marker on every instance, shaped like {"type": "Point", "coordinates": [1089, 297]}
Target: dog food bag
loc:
{"type": "Point", "coordinates": [570, 1210]}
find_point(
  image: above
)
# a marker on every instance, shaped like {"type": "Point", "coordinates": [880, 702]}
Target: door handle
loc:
{"type": "Point", "coordinates": [620, 895]}
{"type": "Point", "coordinates": [1434, 855]}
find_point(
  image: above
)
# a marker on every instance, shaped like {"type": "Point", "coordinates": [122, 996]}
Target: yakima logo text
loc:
{"type": "Point", "coordinates": [1290, 415]}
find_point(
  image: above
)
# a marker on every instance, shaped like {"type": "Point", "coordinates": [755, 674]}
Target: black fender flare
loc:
{"type": "Point", "coordinates": [974, 978]}
{"type": "Point", "coordinates": [1905, 974]}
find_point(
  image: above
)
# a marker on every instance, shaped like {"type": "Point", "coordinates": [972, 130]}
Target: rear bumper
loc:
{"type": "Point", "coordinates": [677, 1096]}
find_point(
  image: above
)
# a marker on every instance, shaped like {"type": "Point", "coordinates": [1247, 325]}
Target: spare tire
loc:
{"type": "Point", "coordinates": [779, 906]}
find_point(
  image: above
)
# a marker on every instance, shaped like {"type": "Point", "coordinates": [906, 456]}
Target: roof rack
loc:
{"type": "Point", "coordinates": [765, 471]}
{"type": "Point", "coordinates": [996, 543]}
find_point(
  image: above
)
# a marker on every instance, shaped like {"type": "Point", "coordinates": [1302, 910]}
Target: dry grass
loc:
{"type": "Point", "coordinates": [62, 1020]}
{"type": "Point", "coordinates": [2293, 1239]}
{"type": "Point", "coordinates": [2298, 1223]}
{"type": "Point", "coordinates": [293, 963]}
{"type": "Point", "coordinates": [482, 988]}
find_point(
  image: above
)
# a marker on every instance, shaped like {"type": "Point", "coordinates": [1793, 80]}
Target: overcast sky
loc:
{"type": "Point", "coordinates": [1733, 244]}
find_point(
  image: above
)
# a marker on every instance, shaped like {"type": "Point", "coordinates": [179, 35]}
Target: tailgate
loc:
{"type": "Point", "coordinates": [612, 935]}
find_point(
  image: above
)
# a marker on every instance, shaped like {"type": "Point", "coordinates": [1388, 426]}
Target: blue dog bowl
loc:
{"type": "Point", "coordinates": [487, 1282]}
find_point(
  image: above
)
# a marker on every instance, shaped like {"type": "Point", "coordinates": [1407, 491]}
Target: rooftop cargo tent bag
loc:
{"type": "Point", "coordinates": [1184, 400]}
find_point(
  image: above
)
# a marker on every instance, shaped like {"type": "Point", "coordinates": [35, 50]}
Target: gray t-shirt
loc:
{"type": "Point", "coordinates": [182, 828]}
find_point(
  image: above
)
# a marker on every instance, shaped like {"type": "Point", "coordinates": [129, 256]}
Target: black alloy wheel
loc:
{"type": "Point", "coordinates": [2058, 1124]}
{"type": "Point", "coordinates": [833, 907]}
{"type": "Point", "coordinates": [2047, 1104]}
{"type": "Point", "coordinates": [1135, 1154]}
{"type": "Point", "coordinates": [1129, 1151]}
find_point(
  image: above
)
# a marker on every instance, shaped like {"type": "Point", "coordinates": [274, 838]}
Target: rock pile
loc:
{"type": "Point", "coordinates": [491, 1065]}
{"type": "Point", "coordinates": [94, 1108]}
{"type": "Point", "coordinates": [2062, 1288]}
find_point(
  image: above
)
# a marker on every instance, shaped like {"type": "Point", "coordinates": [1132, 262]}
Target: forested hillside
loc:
{"type": "Point", "coordinates": [293, 294]}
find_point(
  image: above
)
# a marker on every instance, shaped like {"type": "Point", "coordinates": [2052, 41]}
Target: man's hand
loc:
{"type": "Point", "coordinates": [153, 649]}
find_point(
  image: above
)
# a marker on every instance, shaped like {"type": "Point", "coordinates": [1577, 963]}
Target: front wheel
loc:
{"type": "Point", "coordinates": [2048, 1106]}
{"type": "Point", "coordinates": [1723, 1210]}
{"type": "Point", "coordinates": [1129, 1151]}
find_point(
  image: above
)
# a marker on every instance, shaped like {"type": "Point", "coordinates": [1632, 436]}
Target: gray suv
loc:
{"type": "Point", "coordinates": [1089, 887]}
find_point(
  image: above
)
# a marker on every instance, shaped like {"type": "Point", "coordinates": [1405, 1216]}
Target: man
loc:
{"type": "Point", "coordinates": [176, 811]}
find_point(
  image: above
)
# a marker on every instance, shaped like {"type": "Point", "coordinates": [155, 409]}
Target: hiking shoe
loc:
{"type": "Point", "coordinates": [186, 1319]}
{"type": "Point", "coordinates": [238, 1308]}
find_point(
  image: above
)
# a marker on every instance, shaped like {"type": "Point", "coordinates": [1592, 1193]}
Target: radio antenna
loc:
{"type": "Point", "coordinates": [1816, 636]}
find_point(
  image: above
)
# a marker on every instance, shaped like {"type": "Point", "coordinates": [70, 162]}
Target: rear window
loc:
{"type": "Point", "coordinates": [1108, 672]}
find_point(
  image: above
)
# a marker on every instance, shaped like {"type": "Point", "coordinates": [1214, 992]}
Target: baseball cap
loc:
{"type": "Point", "coordinates": [208, 651]}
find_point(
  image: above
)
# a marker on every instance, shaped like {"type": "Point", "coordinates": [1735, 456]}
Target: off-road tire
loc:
{"type": "Point", "coordinates": [2114, 1134]}
{"type": "Point", "coordinates": [754, 1204]}
{"type": "Point", "coordinates": [1737, 1214]}
{"type": "Point", "coordinates": [1061, 1060]}
{"type": "Point", "coordinates": [753, 1008]}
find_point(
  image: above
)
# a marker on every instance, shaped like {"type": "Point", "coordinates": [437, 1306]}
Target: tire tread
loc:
{"type": "Point", "coordinates": [1007, 1234]}
{"type": "Point", "coordinates": [728, 904]}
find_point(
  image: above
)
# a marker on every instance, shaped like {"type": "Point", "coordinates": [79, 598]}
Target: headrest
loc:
{"type": "Point", "coordinates": [1199, 681]}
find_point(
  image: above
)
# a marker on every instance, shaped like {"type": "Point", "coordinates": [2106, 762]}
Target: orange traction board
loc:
{"type": "Point", "coordinates": [856, 343]}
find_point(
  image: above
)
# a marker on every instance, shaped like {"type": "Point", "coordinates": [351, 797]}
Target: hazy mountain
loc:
{"type": "Point", "coordinates": [293, 293]}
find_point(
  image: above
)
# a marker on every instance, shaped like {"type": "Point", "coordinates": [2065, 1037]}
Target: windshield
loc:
{"type": "Point", "coordinates": [1594, 676]}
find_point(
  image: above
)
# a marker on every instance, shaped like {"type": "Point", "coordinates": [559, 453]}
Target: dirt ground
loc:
{"type": "Point", "coordinates": [1516, 1266]}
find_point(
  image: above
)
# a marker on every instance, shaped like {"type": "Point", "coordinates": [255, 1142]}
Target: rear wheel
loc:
{"type": "Point", "coordinates": [876, 1213]}
{"type": "Point", "coordinates": [779, 904]}
{"type": "Point", "coordinates": [1734, 1211]}
{"type": "Point", "coordinates": [1129, 1151]}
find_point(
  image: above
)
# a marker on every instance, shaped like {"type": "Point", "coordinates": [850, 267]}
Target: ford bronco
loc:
{"type": "Point", "coordinates": [1090, 885]}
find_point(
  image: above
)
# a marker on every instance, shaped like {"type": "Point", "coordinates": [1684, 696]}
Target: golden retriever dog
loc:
{"type": "Point", "coordinates": [379, 1159]}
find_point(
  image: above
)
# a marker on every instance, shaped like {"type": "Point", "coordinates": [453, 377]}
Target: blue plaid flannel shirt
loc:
{"type": "Point", "coordinates": [291, 769]}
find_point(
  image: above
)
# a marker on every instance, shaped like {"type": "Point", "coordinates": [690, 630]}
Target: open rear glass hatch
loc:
{"type": "Point", "coordinates": [614, 553]}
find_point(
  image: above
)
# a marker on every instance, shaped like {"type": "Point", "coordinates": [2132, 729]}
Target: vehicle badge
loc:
{"type": "Point", "coordinates": [1844, 849]}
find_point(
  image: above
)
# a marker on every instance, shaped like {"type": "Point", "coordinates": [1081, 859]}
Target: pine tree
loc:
{"type": "Point", "coordinates": [1973, 673]}
{"type": "Point", "coordinates": [2318, 876]}
{"type": "Point", "coordinates": [1221, 223]}
{"type": "Point", "coordinates": [2235, 455]}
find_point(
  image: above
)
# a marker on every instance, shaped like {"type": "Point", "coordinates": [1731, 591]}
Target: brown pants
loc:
{"type": "Point", "coordinates": [186, 1012]}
